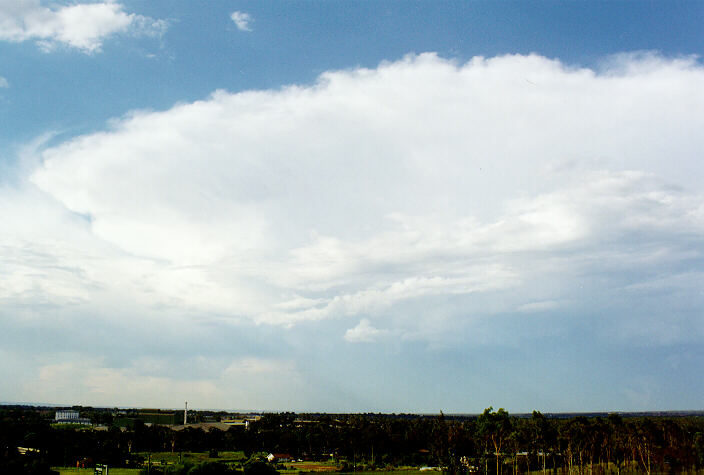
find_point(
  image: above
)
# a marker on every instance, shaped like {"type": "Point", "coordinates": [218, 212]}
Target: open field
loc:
{"type": "Point", "coordinates": [291, 468]}
{"type": "Point", "coordinates": [168, 458]}
{"type": "Point", "coordinates": [397, 472]}
{"type": "Point", "coordinates": [334, 467]}
{"type": "Point", "coordinates": [90, 471]}
{"type": "Point", "coordinates": [312, 466]}
{"type": "Point", "coordinates": [162, 458]}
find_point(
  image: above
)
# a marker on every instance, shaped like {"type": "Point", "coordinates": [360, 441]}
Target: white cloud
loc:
{"type": "Point", "coordinates": [88, 381]}
{"type": "Point", "coordinates": [242, 20]}
{"type": "Point", "coordinates": [4, 83]}
{"type": "Point", "coordinates": [364, 332]}
{"type": "Point", "coordinates": [374, 190]}
{"type": "Point", "coordinates": [246, 383]}
{"type": "Point", "coordinates": [452, 204]}
{"type": "Point", "coordinates": [83, 26]}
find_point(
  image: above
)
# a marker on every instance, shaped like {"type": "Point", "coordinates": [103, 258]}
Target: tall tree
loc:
{"type": "Point", "coordinates": [543, 436]}
{"type": "Point", "coordinates": [494, 428]}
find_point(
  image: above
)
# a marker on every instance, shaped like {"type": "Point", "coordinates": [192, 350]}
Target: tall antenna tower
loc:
{"type": "Point", "coordinates": [185, 414]}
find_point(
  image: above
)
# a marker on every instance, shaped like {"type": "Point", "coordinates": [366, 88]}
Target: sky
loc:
{"type": "Point", "coordinates": [352, 206]}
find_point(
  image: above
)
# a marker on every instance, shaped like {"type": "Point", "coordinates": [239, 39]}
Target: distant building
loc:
{"type": "Point", "coordinates": [279, 458]}
{"type": "Point", "coordinates": [244, 421]}
{"type": "Point", "coordinates": [69, 416]}
{"type": "Point", "coordinates": [64, 416]}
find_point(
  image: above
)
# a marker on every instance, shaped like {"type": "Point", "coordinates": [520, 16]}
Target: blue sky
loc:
{"type": "Point", "coordinates": [352, 206]}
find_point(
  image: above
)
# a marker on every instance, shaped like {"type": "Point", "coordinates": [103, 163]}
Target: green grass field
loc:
{"type": "Point", "coordinates": [171, 458]}
{"type": "Point", "coordinates": [168, 458]}
{"type": "Point", "coordinates": [323, 467]}
{"type": "Point", "coordinates": [161, 458]}
{"type": "Point", "coordinates": [89, 471]}
{"type": "Point", "coordinates": [397, 472]}
{"type": "Point", "coordinates": [135, 471]}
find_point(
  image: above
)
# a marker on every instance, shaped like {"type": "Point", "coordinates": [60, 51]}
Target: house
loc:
{"type": "Point", "coordinates": [280, 458]}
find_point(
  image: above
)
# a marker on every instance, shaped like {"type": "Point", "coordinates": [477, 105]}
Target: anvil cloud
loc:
{"type": "Point", "coordinates": [424, 200]}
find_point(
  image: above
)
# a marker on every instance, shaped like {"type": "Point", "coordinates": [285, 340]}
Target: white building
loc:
{"type": "Point", "coordinates": [66, 416]}
{"type": "Point", "coordinates": [69, 416]}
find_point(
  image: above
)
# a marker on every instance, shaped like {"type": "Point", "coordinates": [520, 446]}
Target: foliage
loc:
{"type": "Point", "coordinates": [493, 442]}
{"type": "Point", "coordinates": [259, 468]}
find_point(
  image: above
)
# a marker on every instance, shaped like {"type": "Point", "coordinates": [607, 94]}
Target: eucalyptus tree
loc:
{"type": "Point", "coordinates": [494, 428]}
{"type": "Point", "coordinates": [543, 437]}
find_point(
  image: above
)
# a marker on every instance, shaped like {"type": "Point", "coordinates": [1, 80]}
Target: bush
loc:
{"type": "Point", "coordinates": [259, 468]}
{"type": "Point", "coordinates": [210, 468]}
{"type": "Point", "coordinates": [207, 468]}
{"type": "Point", "coordinates": [19, 466]}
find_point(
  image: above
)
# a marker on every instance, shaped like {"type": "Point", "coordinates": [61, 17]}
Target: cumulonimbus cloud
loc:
{"type": "Point", "coordinates": [422, 180]}
{"type": "Point", "coordinates": [83, 26]}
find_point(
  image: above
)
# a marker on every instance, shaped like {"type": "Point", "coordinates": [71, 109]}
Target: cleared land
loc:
{"type": "Point", "coordinates": [238, 457]}
{"type": "Point", "coordinates": [90, 471]}
{"type": "Point", "coordinates": [312, 466]}
{"type": "Point", "coordinates": [303, 467]}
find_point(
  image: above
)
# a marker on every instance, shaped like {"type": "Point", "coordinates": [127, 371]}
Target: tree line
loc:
{"type": "Point", "coordinates": [493, 442]}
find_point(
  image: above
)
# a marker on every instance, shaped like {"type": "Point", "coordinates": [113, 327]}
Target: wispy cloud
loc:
{"type": "Point", "coordinates": [541, 306]}
{"type": "Point", "coordinates": [83, 26]}
{"type": "Point", "coordinates": [4, 83]}
{"type": "Point", "coordinates": [242, 20]}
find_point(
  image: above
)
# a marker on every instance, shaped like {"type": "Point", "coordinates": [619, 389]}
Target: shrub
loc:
{"type": "Point", "coordinates": [259, 468]}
